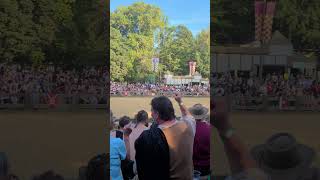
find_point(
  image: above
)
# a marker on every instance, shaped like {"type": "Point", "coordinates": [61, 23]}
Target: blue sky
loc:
{"type": "Point", "coordinates": [195, 14]}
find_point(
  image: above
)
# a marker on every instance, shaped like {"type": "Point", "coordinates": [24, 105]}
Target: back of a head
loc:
{"type": "Point", "coordinates": [123, 121]}
{"type": "Point", "coordinates": [152, 148]}
{"type": "Point", "coordinates": [142, 116]}
{"type": "Point", "coordinates": [97, 168]}
{"type": "Point", "coordinates": [49, 175]}
{"type": "Point", "coordinates": [164, 107]}
{"type": "Point", "coordinates": [4, 166]}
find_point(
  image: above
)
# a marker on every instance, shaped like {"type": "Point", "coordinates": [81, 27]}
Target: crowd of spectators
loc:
{"type": "Point", "coordinates": [172, 148]}
{"type": "Point", "coordinates": [147, 89]}
{"type": "Point", "coordinates": [16, 81]}
{"type": "Point", "coordinates": [274, 84]}
{"type": "Point", "coordinates": [145, 149]}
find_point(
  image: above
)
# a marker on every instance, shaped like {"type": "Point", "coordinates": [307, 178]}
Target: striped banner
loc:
{"type": "Point", "coordinates": [192, 67]}
{"type": "Point", "coordinates": [259, 15]}
{"type": "Point", "coordinates": [268, 21]}
{"type": "Point", "coordinates": [155, 64]}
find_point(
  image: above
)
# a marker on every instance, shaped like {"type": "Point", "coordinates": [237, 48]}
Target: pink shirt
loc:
{"type": "Point", "coordinates": [136, 132]}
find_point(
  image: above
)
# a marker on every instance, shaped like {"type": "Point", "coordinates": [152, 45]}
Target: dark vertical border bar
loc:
{"type": "Point", "coordinates": [211, 85]}
{"type": "Point", "coordinates": [106, 15]}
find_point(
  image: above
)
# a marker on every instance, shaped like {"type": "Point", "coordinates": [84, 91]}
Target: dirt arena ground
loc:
{"type": "Point", "coordinates": [131, 105]}
{"type": "Point", "coordinates": [254, 128]}
{"type": "Point", "coordinates": [62, 141]}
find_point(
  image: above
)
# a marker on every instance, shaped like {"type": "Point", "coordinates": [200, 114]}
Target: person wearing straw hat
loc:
{"type": "Point", "coordinates": [201, 146]}
{"type": "Point", "coordinates": [283, 158]}
{"type": "Point", "coordinates": [199, 112]}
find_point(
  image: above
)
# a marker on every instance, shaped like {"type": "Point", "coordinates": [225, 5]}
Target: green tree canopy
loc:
{"type": "Point", "coordinates": [176, 49]}
{"type": "Point", "coordinates": [137, 26]}
{"type": "Point", "coordinates": [300, 21]}
{"type": "Point", "coordinates": [202, 47]}
{"type": "Point", "coordinates": [60, 31]}
{"type": "Point", "coordinates": [140, 32]}
{"type": "Point", "coordinates": [233, 22]}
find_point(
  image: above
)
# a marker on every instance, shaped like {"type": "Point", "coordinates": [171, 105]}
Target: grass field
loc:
{"type": "Point", "coordinates": [62, 141]}
{"type": "Point", "coordinates": [254, 128]}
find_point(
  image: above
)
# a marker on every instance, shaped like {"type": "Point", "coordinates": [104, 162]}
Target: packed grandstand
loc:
{"type": "Point", "coordinates": [274, 91]}
{"type": "Point", "coordinates": [45, 83]}
{"type": "Point", "coordinates": [147, 89]}
{"type": "Point", "coordinates": [275, 84]}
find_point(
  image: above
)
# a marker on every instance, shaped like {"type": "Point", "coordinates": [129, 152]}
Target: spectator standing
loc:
{"type": "Point", "coordinates": [96, 169]}
{"type": "Point", "coordinates": [123, 122]}
{"type": "Point", "coordinates": [117, 153]}
{"type": "Point", "coordinates": [141, 120]}
{"type": "Point", "coordinates": [176, 136]}
{"type": "Point", "coordinates": [201, 146]}
{"type": "Point", "coordinates": [283, 158]}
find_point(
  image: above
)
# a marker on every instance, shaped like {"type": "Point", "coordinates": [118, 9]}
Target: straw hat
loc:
{"type": "Point", "coordinates": [198, 111]}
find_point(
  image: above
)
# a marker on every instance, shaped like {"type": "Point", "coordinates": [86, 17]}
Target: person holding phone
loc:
{"type": "Point", "coordinates": [118, 153]}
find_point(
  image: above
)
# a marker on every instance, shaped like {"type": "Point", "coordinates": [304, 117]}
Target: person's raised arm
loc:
{"type": "Point", "coordinates": [183, 108]}
{"type": "Point", "coordinates": [238, 154]}
{"type": "Point", "coordinates": [186, 115]}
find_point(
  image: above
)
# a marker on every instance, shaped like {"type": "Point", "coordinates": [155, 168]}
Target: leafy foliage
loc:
{"type": "Point", "coordinates": [140, 32]}
{"type": "Point", "coordinates": [42, 31]}
{"type": "Point", "coordinates": [300, 21]}
{"type": "Point", "coordinates": [233, 22]}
